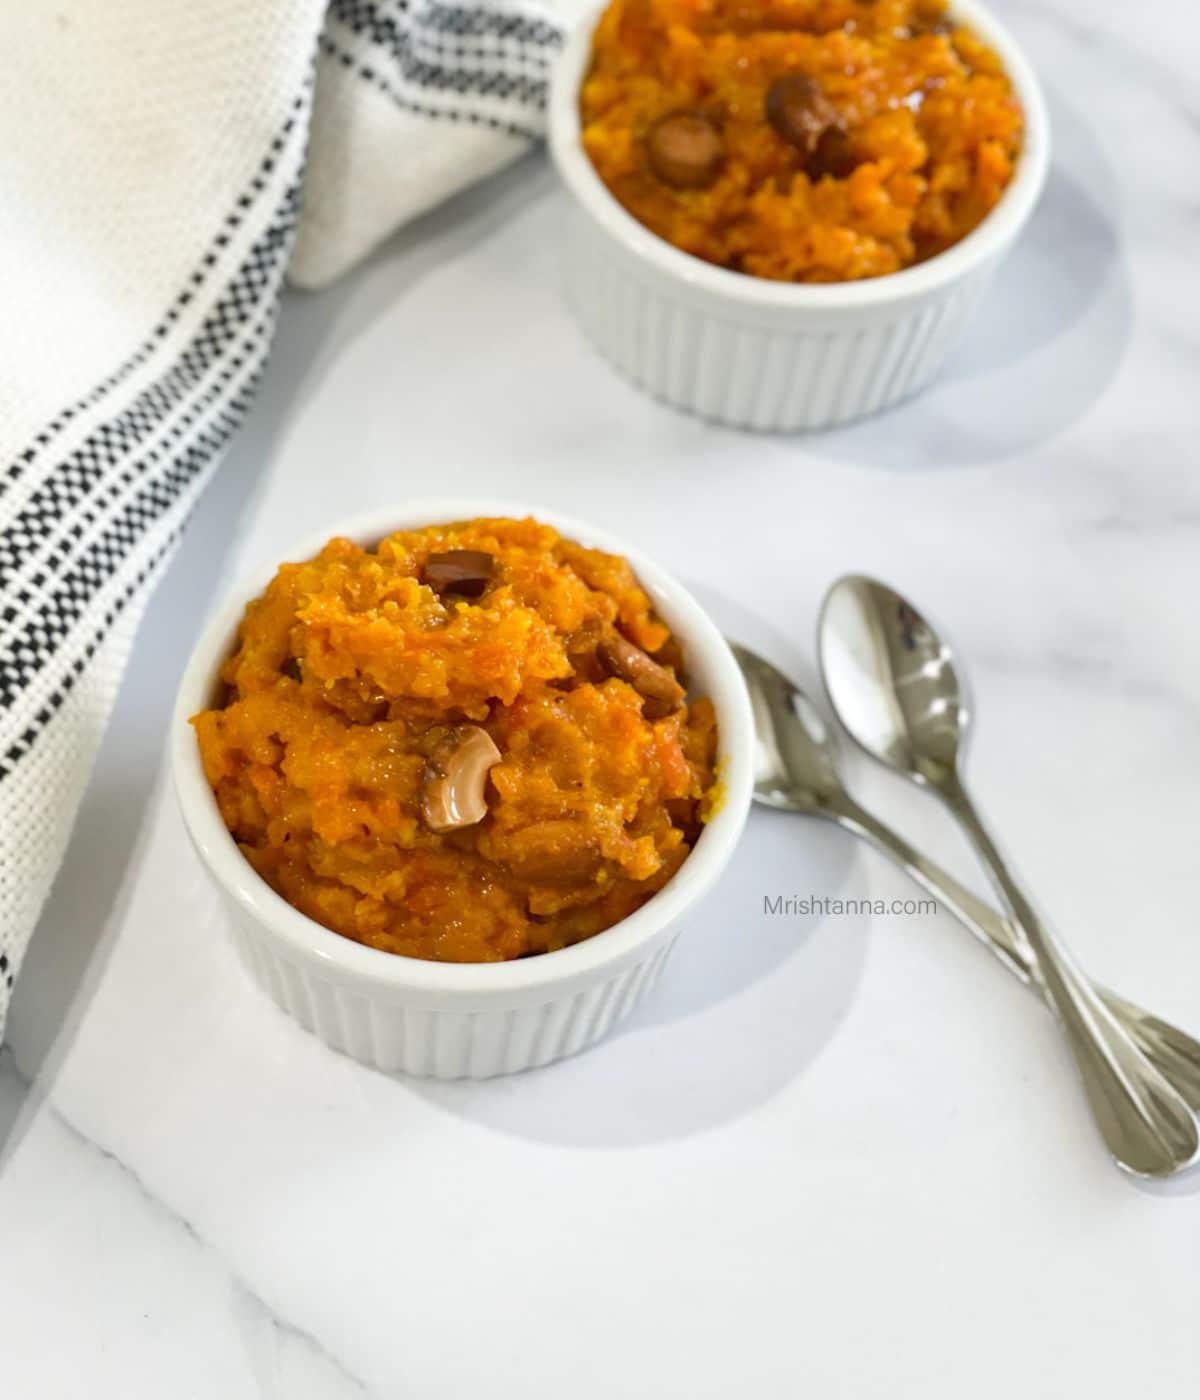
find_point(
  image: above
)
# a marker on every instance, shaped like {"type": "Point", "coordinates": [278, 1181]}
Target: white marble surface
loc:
{"type": "Point", "coordinates": [839, 1157]}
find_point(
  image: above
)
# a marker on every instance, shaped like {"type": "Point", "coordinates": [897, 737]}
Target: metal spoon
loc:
{"type": "Point", "coordinates": [894, 686]}
{"type": "Point", "coordinates": [798, 772]}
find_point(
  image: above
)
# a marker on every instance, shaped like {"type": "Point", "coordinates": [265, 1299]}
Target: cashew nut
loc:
{"type": "Point", "coordinates": [462, 572]}
{"type": "Point", "coordinates": [685, 150]}
{"type": "Point", "coordinates": [657, 686]}
{"type": "Point", "coordinates": [453, 788]}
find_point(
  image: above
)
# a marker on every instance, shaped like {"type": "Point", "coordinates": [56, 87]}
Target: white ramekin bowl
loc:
{"type": "Point", "coordinates": [462, 1020]}
{"type": "Point", "coordinates": [767, 355]}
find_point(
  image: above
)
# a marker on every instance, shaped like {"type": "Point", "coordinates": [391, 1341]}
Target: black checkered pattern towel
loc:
{"type": "Point", "coordinates": [165, 162]}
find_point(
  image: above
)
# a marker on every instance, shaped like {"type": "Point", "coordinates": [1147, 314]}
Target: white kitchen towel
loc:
{"type": "Point", "coordinates": [152, 179]}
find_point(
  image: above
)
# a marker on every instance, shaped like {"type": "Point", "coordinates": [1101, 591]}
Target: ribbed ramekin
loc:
{"type": "Point", "coordinates": [766, 355]}
{"type": "Point", "coordinates": [462, 1020]}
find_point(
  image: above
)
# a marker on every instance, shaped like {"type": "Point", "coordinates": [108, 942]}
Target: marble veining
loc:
{"type": "Point", "coordinates": [274, 1346]}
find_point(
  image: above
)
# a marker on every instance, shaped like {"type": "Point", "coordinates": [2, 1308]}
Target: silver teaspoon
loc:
{"type": "Point", "coordinates": [797, 771]}
{"type": "Point", "coordinates": [894, 686]}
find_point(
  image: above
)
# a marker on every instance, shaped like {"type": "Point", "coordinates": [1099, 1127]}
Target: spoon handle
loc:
{"type": "Point", "coordinates": [991, 928]}
{"type": "Point", "coordinates": [1168, 1048]}
{"type": "Point", "coordinates": [1147, 1126]}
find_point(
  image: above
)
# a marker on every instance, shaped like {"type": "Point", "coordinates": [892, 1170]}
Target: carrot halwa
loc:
{"type": "Point", "coordinates": [468, 744]}
{"type": "Point", "coordinates": [801, 140]}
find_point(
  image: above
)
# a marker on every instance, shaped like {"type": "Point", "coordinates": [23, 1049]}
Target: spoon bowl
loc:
{"type": "Point", "coordinates": [795, 750]}
{"type": "Point", "coordinates": [892, 680]}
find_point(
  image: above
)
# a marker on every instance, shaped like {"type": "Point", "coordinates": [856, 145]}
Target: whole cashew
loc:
{"type": "Point", "coordinates": [453, 791]}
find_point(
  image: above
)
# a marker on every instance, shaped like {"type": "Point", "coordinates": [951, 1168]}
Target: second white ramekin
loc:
{"type": "Point", "coordinates": [462, 1020]}
{"type": "Point", "coordinates": [766, 355]}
